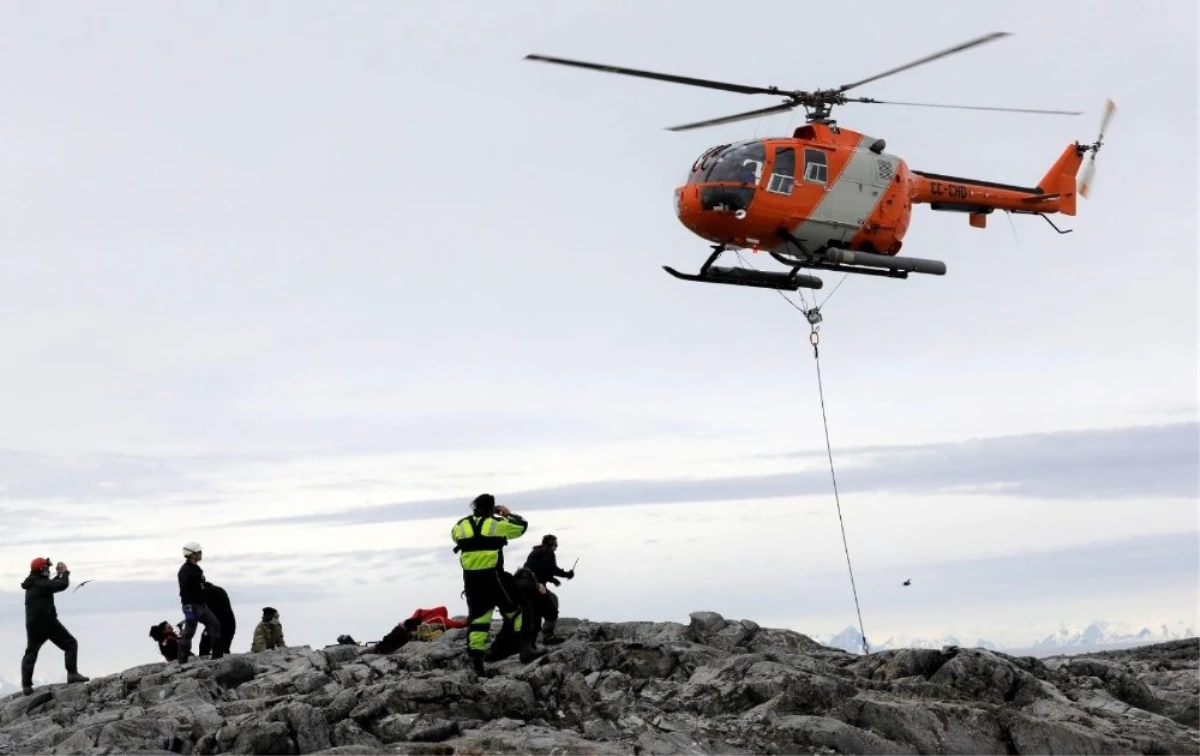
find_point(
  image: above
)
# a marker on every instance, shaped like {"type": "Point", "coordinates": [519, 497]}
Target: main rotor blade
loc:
{"type": "Point", "coordinates": [659, 76]}
{"type": "Point", "coordinates": [961, 107]}
{"type": "Point", "coordinates": [739, 117]}
{"type": "Point", "coordinates": [928, 58]}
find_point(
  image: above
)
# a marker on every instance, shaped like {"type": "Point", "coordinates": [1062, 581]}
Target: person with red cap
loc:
{"type": "Point", "coordinates": [41, 621]}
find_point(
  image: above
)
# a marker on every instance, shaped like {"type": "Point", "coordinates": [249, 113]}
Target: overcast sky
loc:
{"type": "Point", "coordinates": [298, 280]}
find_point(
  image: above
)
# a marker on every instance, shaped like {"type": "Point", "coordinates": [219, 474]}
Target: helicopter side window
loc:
{"type": "Point", "coordinates": [783, 175]}
{"type": "Point", "coordinates": [816, 169]}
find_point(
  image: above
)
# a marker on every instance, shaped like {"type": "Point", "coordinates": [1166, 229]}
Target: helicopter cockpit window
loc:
{"type": "Point", "coordinates": [703, 163]}
{"type": "Point", "coordinates": [816, 169]}
{"type": "Point", "coordinates": [739, 162]}
{"type": "Point", "coordinates": [783, 174]}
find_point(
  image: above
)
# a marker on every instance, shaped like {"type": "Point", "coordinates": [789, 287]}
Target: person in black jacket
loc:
{"type": "Point", "coordinates": [41, 621]}
{"type": "Point", "coordinates": [195, 605]}
{"type": "Point", "coordinates": [218, 603]}
{"type": "Point", "coordinates": [544, 566]}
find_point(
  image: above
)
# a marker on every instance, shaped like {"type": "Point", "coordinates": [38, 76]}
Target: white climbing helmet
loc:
{"type": "Point", "coordinates": [191, 547]}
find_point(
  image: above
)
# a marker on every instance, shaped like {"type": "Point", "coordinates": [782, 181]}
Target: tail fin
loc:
{"type": "Point", "coordinates": [1060, 179]}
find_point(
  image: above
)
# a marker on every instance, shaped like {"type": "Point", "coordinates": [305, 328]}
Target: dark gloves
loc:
{"type": "Point", "coordinates": [570, 574]}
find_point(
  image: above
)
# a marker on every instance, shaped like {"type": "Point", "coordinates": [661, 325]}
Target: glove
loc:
{"type": "Point", "coordinates": [570, 574]}
{"type": "Point", "coordinates": [188, 615]}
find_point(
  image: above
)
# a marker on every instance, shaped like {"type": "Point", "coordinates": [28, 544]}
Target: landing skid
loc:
{"type": "Point", "coordinates": [832, 260]}
{"type": "Point", "coordinates": [759, 279]}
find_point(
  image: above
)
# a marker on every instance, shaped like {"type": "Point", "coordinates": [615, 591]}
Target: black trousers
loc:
{"type": "Point", "coordinates": [547, 608]}
{"type": "Point", "coordinates": [223, 643]}
{"type": "Point", "coordinates": [36, 634]}
{"type": "Point", "coordinates": [487, 590]}
{"type": "Point", "coordinates": [536, 607]}
{"type": "Point", "coordinates": [204, 615]}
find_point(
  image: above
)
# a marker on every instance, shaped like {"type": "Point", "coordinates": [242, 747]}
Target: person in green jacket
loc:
{"type": "Point", "coordinates": [269, 632]}
{"type": "Point", "coordinates": [480, 537]}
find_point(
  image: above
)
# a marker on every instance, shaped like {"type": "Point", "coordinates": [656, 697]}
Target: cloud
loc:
{"type": "Point", "coordinates": [28, 475]}
{"type": "Point", "coordinates": [1147, 461]}
{"type": "Point", "coordinates": [122, 596]}
{"type": "Point", "coordinates": [1005, 597]}
{"type": "Point", "coordinates": [71, 538]}
{"type": "Point", "coordinates": [1103, 568]}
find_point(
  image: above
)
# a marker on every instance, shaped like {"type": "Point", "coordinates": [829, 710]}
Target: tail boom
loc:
{"type": "Point", "coordinates": [1055, 193]}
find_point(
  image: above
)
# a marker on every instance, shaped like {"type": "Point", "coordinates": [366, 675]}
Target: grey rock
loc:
{"type": "Point", "coordinates": [232, 671]}
{"type": "Point", "coordinates": [348, 733]}
{"type": "Point", "coordinates": [712, 686]}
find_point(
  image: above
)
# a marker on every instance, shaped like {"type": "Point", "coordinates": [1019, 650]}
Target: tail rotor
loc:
{"type": "Point", "coordinates": [1089, 170]}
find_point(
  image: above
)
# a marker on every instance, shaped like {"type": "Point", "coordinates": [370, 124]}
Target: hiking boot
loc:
{"type": "Point", "coordinates": [552, 640]}
{"type": "Point", "coordinates": [477, 664]}
{"type": "Point", "coordinates": [74, 677]}
{"type": "Point", "coordinates": [499, 653]}
{"type": "Point", "coordinates": [27, 690]}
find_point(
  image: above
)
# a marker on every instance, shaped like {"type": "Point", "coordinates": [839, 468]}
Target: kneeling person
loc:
{"type": "Point", "coordinates": [269, 633]}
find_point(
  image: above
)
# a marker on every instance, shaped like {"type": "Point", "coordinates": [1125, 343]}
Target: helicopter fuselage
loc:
{"type": "Point", "coordinates": [828, 187]}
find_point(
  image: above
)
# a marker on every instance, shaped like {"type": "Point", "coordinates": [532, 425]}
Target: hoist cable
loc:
{"type": "Point", "coordinates": [813, 315]}
{"type": "Point", "coordinates": [814, 339]}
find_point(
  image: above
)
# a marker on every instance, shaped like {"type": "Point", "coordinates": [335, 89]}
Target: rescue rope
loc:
{"type": "Point", "coordinates": [814, 338]}
{"type": "Point", "coordinates": [814, 317]}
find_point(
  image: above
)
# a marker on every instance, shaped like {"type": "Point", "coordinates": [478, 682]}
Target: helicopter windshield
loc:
{"type": "Point", "coordinates": [742, 162]}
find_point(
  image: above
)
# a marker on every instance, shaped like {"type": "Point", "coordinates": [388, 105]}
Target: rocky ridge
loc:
{"type": "Point", "coordinates": [710, 686]}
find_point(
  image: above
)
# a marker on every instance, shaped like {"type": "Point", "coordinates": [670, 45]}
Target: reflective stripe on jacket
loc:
{"type": "Point", "coordinates": [480, 540]}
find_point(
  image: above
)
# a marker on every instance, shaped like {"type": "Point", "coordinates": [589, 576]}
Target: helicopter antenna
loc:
{"type": "Point", "coordinates": [818, 104]}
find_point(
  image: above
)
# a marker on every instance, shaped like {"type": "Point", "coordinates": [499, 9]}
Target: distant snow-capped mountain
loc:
{"type": "Point", "coordinates": [905, 641]}
{"type": "Point", "coordinates": [54, 678]}
{"type": "Point", "coordinates": [850, 639]}
{"type": "Point", "coordinates": [1103, 633]}
{"type": "Point", "coordinates": [1098, 634]}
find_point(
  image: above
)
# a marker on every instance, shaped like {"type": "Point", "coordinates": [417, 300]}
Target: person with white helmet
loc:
{"type": "Point", "coordinates": [195, 607]}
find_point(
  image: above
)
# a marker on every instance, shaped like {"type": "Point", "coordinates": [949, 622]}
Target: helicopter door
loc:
{"type": "Point", "coordinates": [783, 173]}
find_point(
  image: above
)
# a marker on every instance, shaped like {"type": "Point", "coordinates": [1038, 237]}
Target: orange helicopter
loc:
{"type": "Point", "coordinates": [832, 199]}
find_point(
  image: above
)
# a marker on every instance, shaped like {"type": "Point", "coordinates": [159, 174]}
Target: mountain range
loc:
{"type": "Point", "coordinates": [8, 686]}
{"type": "Point", "coordinates": [1098, 634]}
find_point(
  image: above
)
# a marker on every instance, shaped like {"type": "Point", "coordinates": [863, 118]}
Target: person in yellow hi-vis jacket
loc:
{"type": "Point", "coordinates": [481, 537]}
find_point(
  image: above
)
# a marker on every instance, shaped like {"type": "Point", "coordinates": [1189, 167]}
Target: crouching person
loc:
{"type": "Point", "coordinates": [217, 601]}
{"type": "Point", "coordinates": [168, 641]}
{"type": "Point", "coordinates": [399, 635]}
{"type": "Point", "coordinates": [269, 633]}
